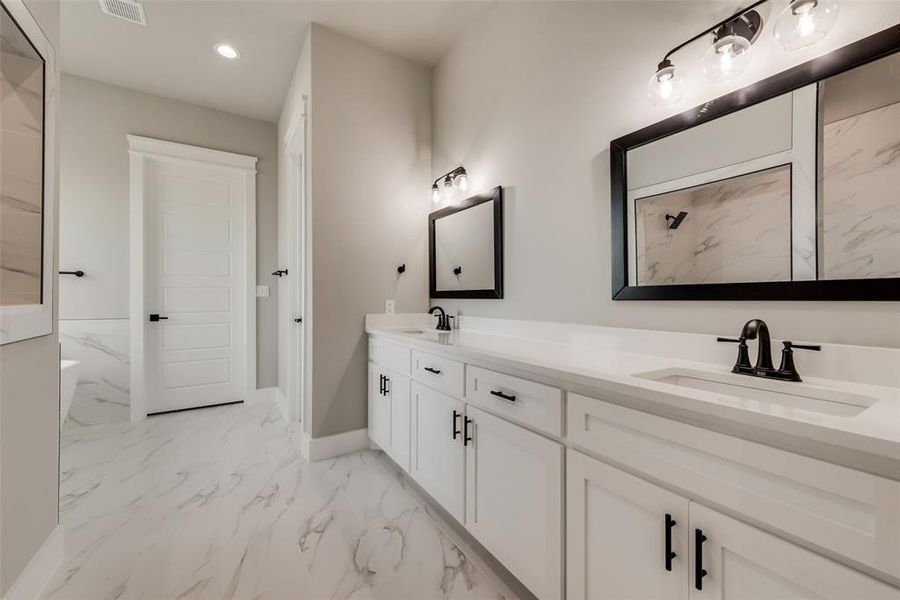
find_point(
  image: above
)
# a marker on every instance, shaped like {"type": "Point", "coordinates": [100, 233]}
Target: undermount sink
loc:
{"type": "Point", "coordinates": [758, 393]}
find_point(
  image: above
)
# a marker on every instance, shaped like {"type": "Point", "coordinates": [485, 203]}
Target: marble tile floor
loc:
{"type": "Point", "coordinates": [218, 504]}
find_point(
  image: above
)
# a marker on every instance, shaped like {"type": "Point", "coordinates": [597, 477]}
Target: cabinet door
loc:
{"type": "Point", "coordinates": [617, 526]}
{"type": "Point", "coordinates": [397, 387]}
{"type": "Point", "coordinates": [745, 563]}
{"type": "Point", "coordinates": [514, 496]}
{"type": "Point", "coordinates": [379, 409]}
{"type": "Point", "coordinates": [438, 458]}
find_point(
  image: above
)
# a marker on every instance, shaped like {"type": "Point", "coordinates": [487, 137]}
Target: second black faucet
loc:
{"type": "Point", "coordinates": [757, 329]}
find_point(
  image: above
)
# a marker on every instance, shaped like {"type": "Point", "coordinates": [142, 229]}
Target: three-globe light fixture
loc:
{"type": "Point", "coordinates": [801, 24]}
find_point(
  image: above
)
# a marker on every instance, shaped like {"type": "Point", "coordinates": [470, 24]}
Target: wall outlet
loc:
{"type": "Point", "coordinates": [262, 291]}
{"type": "Point", "coordinates": [389, 307]}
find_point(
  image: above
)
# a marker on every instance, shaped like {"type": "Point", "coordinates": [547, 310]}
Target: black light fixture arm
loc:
{"type": "Point", "coordinates": [712, 29]}
{"type": "Point", "coordinates": [450, 174]}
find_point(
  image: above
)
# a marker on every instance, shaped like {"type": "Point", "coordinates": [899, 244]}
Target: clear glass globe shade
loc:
{"type": "Point", "coordinates": [435, 195]}
{"type": "Point", "coordinates": [805, 22]}
{"type": "Point", "coordinates": [666, 87]}
{"type": "Point", "coordinates": [461, 181]}
{"type": "Point", "coordinates": [726, 58]}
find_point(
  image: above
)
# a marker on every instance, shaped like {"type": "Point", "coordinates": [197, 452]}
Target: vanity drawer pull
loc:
{"type": "Point", "coordinates": [435, 371]}
{"type": "Point", "coordinates": [500, 394]}
{"type": "Point", "coordinates": [456, 416]}
{"type": "Point", "coordinates": [466, 437]}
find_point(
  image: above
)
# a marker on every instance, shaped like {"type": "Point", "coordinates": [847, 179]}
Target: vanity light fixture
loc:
{"type": "Point", "coordinates": [802, 23]}
{"type": "Point", "coordinates": [227, 51]}
{"type": "Point", "coordinates": [456, 179]}
{"type": "Point", "coordinates": [805, 22]}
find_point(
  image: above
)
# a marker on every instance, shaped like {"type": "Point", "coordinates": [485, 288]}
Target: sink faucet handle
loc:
{"type": "Point", "coordinates": [742, 364]}
{"type": "Point", "coordinates": [788, 344]}
{"type": "Point", "coordinates": [788, 370]}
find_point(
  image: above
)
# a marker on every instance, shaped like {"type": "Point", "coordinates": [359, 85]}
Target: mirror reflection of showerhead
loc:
{"type": "Point", "coordinates": [675, 221]}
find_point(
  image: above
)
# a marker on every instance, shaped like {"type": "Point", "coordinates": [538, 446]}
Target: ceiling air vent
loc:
{"type": "Point", "coordinates": [127, 10]}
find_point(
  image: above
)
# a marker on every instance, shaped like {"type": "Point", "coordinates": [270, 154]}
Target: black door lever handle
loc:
{"type": "Point", "coordinates": [155, 317]}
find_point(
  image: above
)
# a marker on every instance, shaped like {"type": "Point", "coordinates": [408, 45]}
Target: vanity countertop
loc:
{"type": "Point", "coordinates": [867, 438]}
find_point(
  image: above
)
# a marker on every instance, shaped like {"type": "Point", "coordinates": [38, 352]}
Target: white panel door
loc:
{"type": "Point", "coordinates": [620, 530]}
{"type": "Point", "coordinates": [745, 563]}
{"type": "Point", "coordinates": [438, 457]}
{"type": "Point", "coordinates": [514, 500]}
{"type": "Point", "coordinates": [194, 280]}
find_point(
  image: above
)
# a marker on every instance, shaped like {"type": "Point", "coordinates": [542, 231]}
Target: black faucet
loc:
{"type": "Point", "coordinates": [443, 319]}
{"type": "Point", "coordinates": [758, 330]}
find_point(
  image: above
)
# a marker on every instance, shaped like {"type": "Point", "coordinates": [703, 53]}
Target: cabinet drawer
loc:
{"type": "Point", "coordinates": [534, 404]}
{"type": "Point", "coordinates": [390, 355]}
{"type": "Point", "coordinates": [842, 510]}
{"type": "Point", "coordinates": [438, 372]}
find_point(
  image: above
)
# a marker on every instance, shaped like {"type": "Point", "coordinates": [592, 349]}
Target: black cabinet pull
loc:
{"type": "Point", "coordinates": [298, 319]}
{"type": "Point", "coordinates": [78, 273]}
{"type": "Point", "coordinates": [466, 437]}
{"type": "Point", "coordinates": [500, 394]}
{"type": "Point", "coordinates": [699, 571]}
{"type": "Point", "coordinates": [381, 385]}
{"type": "Point", "coordinates": [670, 523]}
{"type": "Point", "coordinates": [456, 416]}
{"type": "Point", "coordinates": [435, 371]}
{"type": "Point", "coordinates": [155, 317]}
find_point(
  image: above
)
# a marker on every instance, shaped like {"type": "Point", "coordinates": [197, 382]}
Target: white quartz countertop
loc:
{"type": "Point", "coordinates": [872, 435]}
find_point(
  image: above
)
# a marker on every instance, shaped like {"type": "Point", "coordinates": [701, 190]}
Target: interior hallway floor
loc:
{"type": "Point", "coordinates": [219, 503]}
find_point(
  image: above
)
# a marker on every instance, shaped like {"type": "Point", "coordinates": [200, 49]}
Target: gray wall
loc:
{"type": "Point", "coordinates": [370, 156]}
{"type": "Point", "coordinates": [94, 195]}
{"type": "Point", "coordinates": [530, 97]}
{"type": "Point", "coordinates": [29, 418]}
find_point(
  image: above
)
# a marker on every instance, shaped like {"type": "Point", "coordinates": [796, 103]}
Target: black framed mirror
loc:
{"type": "Point", "coordinates": [465, 248]}
{"type": "Point", "coordinates": [788, 189]}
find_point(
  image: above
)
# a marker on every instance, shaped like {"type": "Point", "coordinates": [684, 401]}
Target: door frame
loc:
{"type": "Point", "coordinates": [295, 149]}
{"type": "Point", "coordinates": [142, 151]}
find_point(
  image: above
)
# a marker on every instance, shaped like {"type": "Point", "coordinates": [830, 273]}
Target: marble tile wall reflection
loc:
{"type": "Point", "coordinates": [101, 346]}
{"type": "Point", "coordinates": [737, 230]}
{"type": "Point", "coordinates": [860, 229]}
{"type": "Point", "coordinates": [21, 171]}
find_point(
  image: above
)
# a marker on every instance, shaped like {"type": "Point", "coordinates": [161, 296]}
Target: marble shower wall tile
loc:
{"type": "Point", "coordinates": [21, 177]}
{"type": "Point", "coordinates": [736, 230]}
{"type": "Point", "coordinates": [860, 230]}
{"type": "Point", "coordinates": [101, 346]}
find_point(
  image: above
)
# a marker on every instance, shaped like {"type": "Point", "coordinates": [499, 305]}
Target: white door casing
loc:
{"type": "Point", "coordinates": [193, 260]}
{"type": "Point", "coordinates": [294, 334]}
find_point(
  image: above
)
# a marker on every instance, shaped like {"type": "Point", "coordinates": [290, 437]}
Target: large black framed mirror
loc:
{"type": "Point", "coordinates": [788, 189]}
{"type": "Point", "coordinates": [465, 248]}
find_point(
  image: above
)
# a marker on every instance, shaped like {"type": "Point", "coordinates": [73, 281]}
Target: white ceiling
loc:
{"type": "Point", "coordinates": [173, 55]}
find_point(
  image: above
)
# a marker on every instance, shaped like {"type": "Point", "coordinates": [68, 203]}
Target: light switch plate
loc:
{"type": "Point", "coordinates": [262, 291]}
{"type": "Point", "coordinates": [389, 307]}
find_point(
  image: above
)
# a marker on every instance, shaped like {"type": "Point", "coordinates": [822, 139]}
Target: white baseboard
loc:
{"type": "Point", "coordinates": [334, 445]}
{"type": "Point", "coordinates": [40, 568]}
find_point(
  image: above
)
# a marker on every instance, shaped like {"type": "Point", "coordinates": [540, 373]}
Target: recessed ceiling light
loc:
{"type": "Point", "coordinates": [227, 51]}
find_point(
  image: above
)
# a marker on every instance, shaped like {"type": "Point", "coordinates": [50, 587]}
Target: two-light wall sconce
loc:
{"type": "Point", "coordinates": [801, 24]}
{"type": "Point", "coordinates": [455, 180]}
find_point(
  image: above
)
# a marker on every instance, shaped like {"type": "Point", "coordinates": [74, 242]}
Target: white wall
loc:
{"type": "Point", "coordinates": [530, 98]}
{"type": "Point", "coordinates": [369, 162]}
{"type": "Point", "coordinates": [29, 416]}
{"type": "Point", "coordinates": [94, 198]}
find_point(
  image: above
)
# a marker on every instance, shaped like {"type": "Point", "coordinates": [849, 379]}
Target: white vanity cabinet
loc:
{"type": "Point", "coordinates": [514, 499]}
{"type": "Point", "coordinates": [389, 413]}
{"type": "Point", "coordinates": [438, 456]}
{"type": "Point", "coordinates": [582, 498]}
{"type": "Point", "coordinates": [621, 529]}
{"type": "Point", "coordinates": [626, 538]}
